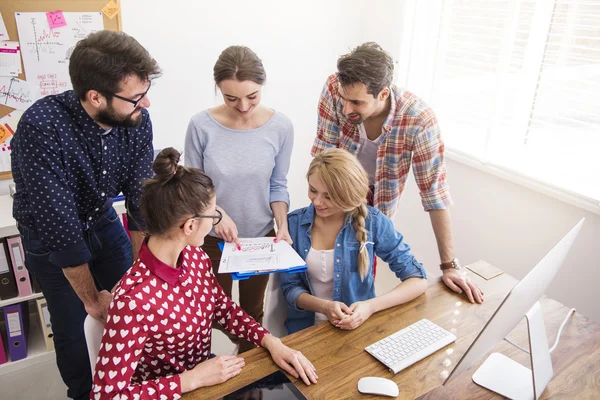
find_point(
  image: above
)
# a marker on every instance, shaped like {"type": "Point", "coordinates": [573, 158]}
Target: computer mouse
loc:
{"type": "Point", "coordinates": [380, 386]}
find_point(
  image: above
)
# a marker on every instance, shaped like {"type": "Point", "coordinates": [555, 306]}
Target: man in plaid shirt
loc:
{"type": "Point", "coordinates": [388, 128]}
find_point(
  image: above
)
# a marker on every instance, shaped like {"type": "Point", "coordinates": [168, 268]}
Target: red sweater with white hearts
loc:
{"type": "Point", "coordinates": [159, 325]}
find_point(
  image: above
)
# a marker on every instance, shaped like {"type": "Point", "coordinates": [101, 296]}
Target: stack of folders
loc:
{"type": "Point", "coordinates": [14, 277]}
{"type": "Point", "coordinates": [16, 317]}
{"type": "Point", "coordinates": [15, 282]}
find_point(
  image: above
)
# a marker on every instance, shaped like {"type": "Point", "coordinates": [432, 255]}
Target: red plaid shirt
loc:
{"type": "Point", "coordinates": [410, 135]}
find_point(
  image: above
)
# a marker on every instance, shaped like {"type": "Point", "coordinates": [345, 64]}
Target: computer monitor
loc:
{"type": "Point", "coordinates": [499, 373]}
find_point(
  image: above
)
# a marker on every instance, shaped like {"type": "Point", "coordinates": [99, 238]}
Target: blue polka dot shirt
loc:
{"type": "Point", "coordinates": [67, 168]}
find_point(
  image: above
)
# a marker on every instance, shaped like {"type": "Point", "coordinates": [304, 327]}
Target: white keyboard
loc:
{"type": "Point", "coordinates": [409, 345]}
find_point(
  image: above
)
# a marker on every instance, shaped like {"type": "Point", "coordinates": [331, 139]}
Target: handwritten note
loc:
{"type": "Point", "coordinates": [3, 31]}
{"type": "Point", "coordinates": [111, 9]}
{"type": "Point", "coordinates": [56, 19]}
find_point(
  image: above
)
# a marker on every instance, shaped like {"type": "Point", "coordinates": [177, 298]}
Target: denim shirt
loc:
{"type": "Point", "coordinates": [383, 240]}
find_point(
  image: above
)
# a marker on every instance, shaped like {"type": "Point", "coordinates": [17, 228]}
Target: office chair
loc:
{"type": "Point", "coordinates": [275, 308]}
{"type": "Point", "coordinates": [93, 330]}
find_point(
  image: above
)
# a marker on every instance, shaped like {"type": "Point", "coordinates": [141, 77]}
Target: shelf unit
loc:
{"type": "Point", "coordinates": [36, 346]}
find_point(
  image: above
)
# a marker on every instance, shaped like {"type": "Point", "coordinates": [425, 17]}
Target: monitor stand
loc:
{"type": "Point", "coordinates": [510, 379]}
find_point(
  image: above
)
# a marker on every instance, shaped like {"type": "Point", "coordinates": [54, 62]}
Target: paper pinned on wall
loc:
{"type": "Point", "coordinates": [8, 123]}
{"type": "Point", "coordinates": [111, 9]}
{"type": "Point", "coordinates": [4, 133]}
{"type": "Point", "coordinates": [3, 31]}
{"type": "Point", "coordinates": [56, 19]}
{"type": "Point", "coordinates": [82, 24]}
{"type": "Point", "coordinates": [11, 120]}
{"type": "Point", "coordinates": [258, 254]}
{"type": "Point", "coordinates": [10, 59]}
{"type": "Point", "coordinates": [17, 93]}
{"type": "Point", "coordinates": [5, 157]}
{"type": "Point", "coordinates": [46, 51]}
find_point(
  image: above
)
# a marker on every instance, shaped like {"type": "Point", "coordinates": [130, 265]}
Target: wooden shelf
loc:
{"type": "Point", "coordinates": [36, 348]}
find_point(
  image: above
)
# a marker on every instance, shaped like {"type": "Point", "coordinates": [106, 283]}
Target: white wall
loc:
{"type": "Point", "coordinates": [297, 42]}
{"type": "Point", "coordinates": [511, 227]}
{"type": "Point", "coordinates": [503, 223]}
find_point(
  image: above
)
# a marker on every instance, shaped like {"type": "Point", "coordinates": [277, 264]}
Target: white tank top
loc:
{"type": "Point", "coordinates": [320, 274]}
{"type": "Point", "coordinates": [367, 155]}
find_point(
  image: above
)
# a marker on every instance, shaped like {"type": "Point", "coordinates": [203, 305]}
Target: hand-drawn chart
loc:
{"type": "Point", "coordinates": [17, 93]}
{"type": "Point", "coordinates": [258, 254]}
{"type": "Point", "coordinates": [46, 51]}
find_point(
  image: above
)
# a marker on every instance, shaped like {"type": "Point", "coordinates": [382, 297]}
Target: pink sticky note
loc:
{"type": "Point", "coordinates": [56, 19]}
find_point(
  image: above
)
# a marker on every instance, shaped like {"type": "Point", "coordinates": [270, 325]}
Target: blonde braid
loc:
{"type": "Point", "coordinates": [359, 215]}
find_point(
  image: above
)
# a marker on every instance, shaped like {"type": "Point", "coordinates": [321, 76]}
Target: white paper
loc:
{"type": "Point", "coordinates": [11, 120]}
{"type": "Point", "coordinates": [46, 51]}
{"type": "Point", "coordinates": [17, 93]}
{"type": "Point", "coordinates": [46, 315]}
{"type": "Point", "coordinates": [82, 24]}
{"type": "Point", "coordinates": [10, 59]}
{"type": "Point", "coordinates": [14, 323]}
{"type": "Point", "coordinates": [5, 157]}
{"type": "Point", "coordinates": [3, 31]}
{"type": "Point", "coordinates": [258, 254]}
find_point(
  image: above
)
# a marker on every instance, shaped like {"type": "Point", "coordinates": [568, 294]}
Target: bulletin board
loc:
{"type": "Point", "coordinates": [8, 8]}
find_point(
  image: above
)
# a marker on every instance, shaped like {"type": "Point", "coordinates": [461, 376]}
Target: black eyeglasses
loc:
{"type": "Point", "coordinates": [134, 102]}
{"type": "Point", "coordinates": [216, 218]}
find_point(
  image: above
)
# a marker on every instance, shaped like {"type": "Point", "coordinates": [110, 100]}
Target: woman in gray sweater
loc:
{"type": "Point", "coordinates": [245, 148]}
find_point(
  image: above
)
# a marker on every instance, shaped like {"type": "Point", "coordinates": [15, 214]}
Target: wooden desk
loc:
{"type": "Point", "coordinates": [341, 361]}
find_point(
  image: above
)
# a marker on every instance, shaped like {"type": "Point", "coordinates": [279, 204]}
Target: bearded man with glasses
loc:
{"type": "Point", "coordinates": [71, 154]}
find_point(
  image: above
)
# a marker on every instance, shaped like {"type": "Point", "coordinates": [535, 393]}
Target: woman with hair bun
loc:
{"type": "Point", "coordinates": [157, 338]}
{"type": "Point", "coordinates": [246, 148]}
{"type": "Point", "coordinates": [338, 236]}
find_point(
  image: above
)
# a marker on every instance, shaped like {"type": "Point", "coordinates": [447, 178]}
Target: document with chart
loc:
{"type": "Point", "coordinates": [258, 255]}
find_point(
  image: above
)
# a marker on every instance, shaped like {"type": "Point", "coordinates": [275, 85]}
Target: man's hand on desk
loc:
{"type": "Point", "coordinates": [292, 361]}
{"type": "Point", "coordinates": [457, 281]}
{"type": "Point", "coordinates": [360, 312]}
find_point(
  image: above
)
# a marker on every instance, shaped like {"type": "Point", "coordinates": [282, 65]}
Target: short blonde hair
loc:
{"type": "Point", "coordinates": [348, 186]}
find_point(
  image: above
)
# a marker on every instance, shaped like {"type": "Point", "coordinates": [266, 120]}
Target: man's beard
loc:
{"type": "Point", "coordinates": [110, 117]}
{"type": "Point", "coordinates": [358, 121]}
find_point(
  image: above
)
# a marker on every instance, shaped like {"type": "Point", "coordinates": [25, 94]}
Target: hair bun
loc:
{"type": "Point", "coordinates": [166, 163]}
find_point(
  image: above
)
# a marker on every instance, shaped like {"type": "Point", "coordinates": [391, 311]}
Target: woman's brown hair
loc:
{"type": "Point", "coordinates": [239, 63]}
{"type": "Point", "coordinates": [174, 194]}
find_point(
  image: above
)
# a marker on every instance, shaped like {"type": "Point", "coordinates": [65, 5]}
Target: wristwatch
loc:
{"type": "Point", "coordinates": [450, 264]}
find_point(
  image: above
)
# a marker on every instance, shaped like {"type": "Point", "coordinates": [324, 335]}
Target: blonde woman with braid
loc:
{"type": "Point", "coordinates": [338, 236]}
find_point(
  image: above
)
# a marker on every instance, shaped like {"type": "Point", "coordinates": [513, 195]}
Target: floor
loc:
{"type": "Point", "coordinates": [43, 381]}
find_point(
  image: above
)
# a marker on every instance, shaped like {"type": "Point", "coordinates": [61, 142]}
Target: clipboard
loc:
{"type": "Point", "coordinates": [239, 276]}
